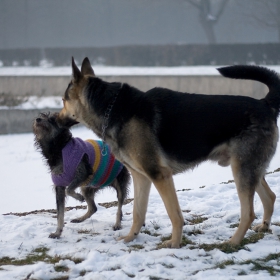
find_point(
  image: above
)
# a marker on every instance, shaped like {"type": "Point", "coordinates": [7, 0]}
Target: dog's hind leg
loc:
{"type": "Point", "coordinates": [142, 186]}
{"type": "Point", "coordinates": [246, 190]}
{"type": "Point", "coordinates": [267, 197]}
{"type": "Point", "coordinates": [88, 194]}
{"type": "Point", "coordinates": [60, 205]}
{"type": "Point", "coordinates": [121, 186]}
{"type": "Point", "coordinates": [165, 186]}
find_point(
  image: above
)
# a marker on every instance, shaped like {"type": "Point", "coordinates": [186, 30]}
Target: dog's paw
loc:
{"type": "Point", "coordinates": [127, 238]}
{"type": "Point", "coordinates": [54, 235]}
{"type": "Point", "coordinates": [171, 244]}
{"type": "Point", "coordinates": [77, 220]}
{"type": "Point", "coordinates": [80, 198]}
{"type": "Point", "coordinates": [264, 227]}
{"type": "Point", "coordinates": [117, 227]}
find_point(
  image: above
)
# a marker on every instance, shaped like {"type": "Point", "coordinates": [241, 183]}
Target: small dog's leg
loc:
{"type": "Point", "coordinates": [82, 172]}
{"type": "Point", "coordinates": [267, 197]}
{"type": "Point", "coordinates": [75, 195]}
{"type": "Point", "coordinates": [88, 194]}
{"type": "Point", "coordinates": [60, 205]}
{"type": "Point", "coordinates": [142, 186]}
{"type": "Point", "coordinates": [165, 186]}
{"type": "Point", "coordinates": [121, 198]}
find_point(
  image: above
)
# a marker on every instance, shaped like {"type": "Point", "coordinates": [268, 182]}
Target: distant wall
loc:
{"type": "Point", "coordinates": [56, 86]}
{"type": "Point", "coordinates": [149, 55]}
{"type": "Point", "coordinates": [19, 121]}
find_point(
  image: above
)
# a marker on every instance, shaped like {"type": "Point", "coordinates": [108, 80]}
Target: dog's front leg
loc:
{"type": "Point", "coordinates": [142, 186]}
{"type": "Point", "coordinates": [60, 205]}
{"type": "Point", "coordinates": [165, 186]}
{"type": "Point", "coordinates": [82, 172]}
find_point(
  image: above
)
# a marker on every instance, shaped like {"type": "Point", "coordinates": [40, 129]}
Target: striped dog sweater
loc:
{"type": "Point", "coordinates": [105, 168]}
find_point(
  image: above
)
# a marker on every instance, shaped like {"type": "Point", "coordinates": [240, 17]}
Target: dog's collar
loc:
{"type": "Point", "coordinates": [106, 120]}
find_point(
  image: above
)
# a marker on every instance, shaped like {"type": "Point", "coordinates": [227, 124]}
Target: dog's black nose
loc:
{"type": "Point", "coordinates": [38, 119]}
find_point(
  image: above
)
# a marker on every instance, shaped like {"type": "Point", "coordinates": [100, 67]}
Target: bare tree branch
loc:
{"type": "Point", "coordinates": [221, 10]}
{"type": "Point", "coordinates": [194, 4]}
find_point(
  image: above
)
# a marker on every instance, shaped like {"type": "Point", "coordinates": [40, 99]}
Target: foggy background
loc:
{"type": "Point", "coordinates": [116, 31]}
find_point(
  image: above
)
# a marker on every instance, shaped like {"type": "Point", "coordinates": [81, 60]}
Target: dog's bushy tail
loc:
{"type": "Point", "coordinates": [260, 74]}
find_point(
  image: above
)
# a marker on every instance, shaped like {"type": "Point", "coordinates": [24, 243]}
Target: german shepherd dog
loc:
{"type": "Point", "coordinates": [59, 148]}
{"type": "Point", "coordinates": [161, 132]}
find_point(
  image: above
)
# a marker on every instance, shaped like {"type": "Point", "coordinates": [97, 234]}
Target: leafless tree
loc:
{"type": "Point", "coordinates": [207, 17]}
{"type": "Point", "coordinates": [265, 14]}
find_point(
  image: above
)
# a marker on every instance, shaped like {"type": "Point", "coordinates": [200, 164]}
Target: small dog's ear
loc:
{"type": "Point", "coordinates": [76, 73]}
{"type": "Point", "coordinates": [86, 67]}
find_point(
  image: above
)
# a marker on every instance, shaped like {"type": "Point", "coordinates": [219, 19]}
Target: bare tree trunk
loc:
{"type": "Point", "coordinates": [208, 28]}
{"type": "Point", "coordinates": [206, 18]}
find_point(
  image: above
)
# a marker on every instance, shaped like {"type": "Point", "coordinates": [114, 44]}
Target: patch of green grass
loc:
{"type": "Point", "coordinates": [167, 265]}
{"type": "Point", "coordinates": [165, 238]}
{"type": "Point", "coordinates": [194, 232]}
{"type": "Point", "coordinates": [230, 248]}
{"type": "Point", "coordinates": [146, 231]}
{"type": "Point", "coordinates": [252, 238]}
{"type": "Point", "coordinates": [184, 190]}
{"type": "Point", "coordinates": [224, 264]}
{"type": "Point", "coordinates": [242, 272]}
{"type": "Point", "coordinates": [61, 278]}
{"type": "Point", "coordinates": [61, 268]}
{"type": "Point", "coordinates": [224, 247]}
{"type": "Point", "coordinates": [88, 231]}
{"type": "Point", "coordinates": [234, 225]}
{"type": "Point", "coordinates": [228, 182]}
{"type": "Point", "coordinates": [276, 170]}
{"type": "Point", "coordinates": [185, 241]}
{"type": "Point", "coordinates": [271, 257]}
{"type": "Point", "coordinates": [259, 265]}
{"type": "Point", "coordinates": [136, 247]}
{"type": "Point", "coordinates": [196, 219]}
{"type": "Point", "coordinates": [37, 255]}
{"type": "Point", "coordinates": [115, 268]}
{"type": "Point", "coordinates": [130, 275]}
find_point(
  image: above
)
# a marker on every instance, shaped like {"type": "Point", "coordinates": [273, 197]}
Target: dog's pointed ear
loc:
{"type": "Point", "coordinates": [76, 73]}
{"type": "Point", "coordinates": [86, 67]}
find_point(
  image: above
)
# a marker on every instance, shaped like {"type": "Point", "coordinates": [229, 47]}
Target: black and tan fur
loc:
{"type": "Point", "coordinates": [50, 139]}
{"type": "Point", "coordinates": [160, 133]}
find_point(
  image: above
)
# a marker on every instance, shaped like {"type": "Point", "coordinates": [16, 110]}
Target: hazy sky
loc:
{"type": "Point", "coordinates": [90, 23]}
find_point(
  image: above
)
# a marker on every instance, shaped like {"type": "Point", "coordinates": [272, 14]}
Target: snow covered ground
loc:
{"type": "Point", "coordinates": [90, 250]}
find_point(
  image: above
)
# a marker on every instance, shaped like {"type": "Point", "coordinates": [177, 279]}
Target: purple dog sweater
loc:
{"type": "Point", "coordinates": [105, 168]}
